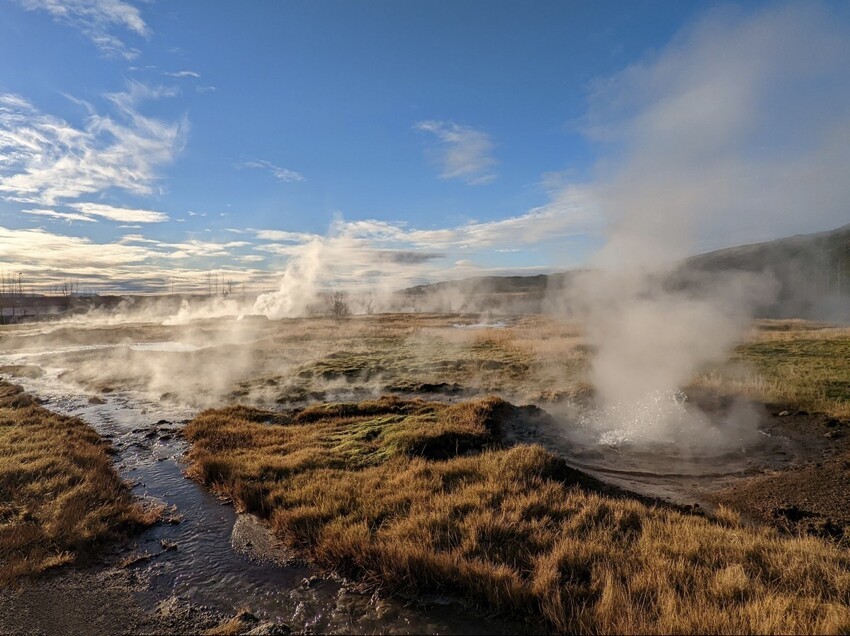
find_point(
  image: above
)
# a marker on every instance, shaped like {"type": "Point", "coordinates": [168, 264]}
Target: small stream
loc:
{"type": "Point", "coordinates": [199, 558]}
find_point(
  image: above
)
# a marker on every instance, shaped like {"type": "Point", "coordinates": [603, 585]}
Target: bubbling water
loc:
{"type": "Point", "coordinates": [668, 419]}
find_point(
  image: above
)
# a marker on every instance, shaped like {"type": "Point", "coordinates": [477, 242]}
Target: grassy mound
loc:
{"type": "Point", "coordinates": [59, 492]}
{"type": "Point", "coordinates": [421, 497]}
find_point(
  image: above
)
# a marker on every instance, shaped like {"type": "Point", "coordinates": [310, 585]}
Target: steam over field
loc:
{"type": "Point", "coordinates": [374, 446]}
{"type": "Point", "coordinates": [424, 317]}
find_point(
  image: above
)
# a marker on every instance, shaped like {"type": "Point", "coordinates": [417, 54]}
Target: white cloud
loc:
{"type": "Point", "coordinates": [44, 159]}
{"type": "Point", "coordinates": [283, 174]}
{"type": "Point", "coordinates": [182, 74]}
{"type": "Point", "coordinates": [125, 215]}
{"type": "Point", "coordinates": [96, 19]}
{"type": "Point", "coordinates": [133, 262]}
{"type": "Point", "coordinates": [64, 216]}
{"type": "Point", "coordinates": [462, 152]}
{"type": "Point", "coordinates": [40, 250]}
{"type": "Point", "coordinates": [280, 235]}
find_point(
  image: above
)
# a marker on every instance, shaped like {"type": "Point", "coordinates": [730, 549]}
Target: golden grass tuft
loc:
{"type": "Point", "coordinates": [59, 492]}
{"type": "Point", "coordinates": [421, 497]}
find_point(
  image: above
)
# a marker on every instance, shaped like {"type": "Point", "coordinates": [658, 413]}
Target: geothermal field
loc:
{"type": "Point", "coordinates": [423, 472]}
{"type": "Point", "coordinates": [424, 317]}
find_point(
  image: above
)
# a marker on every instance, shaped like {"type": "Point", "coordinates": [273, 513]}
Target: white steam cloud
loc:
{"type": "Point", "coordinates": [298, 287]}
{"type": "Point", "coordinates": [738, 130]}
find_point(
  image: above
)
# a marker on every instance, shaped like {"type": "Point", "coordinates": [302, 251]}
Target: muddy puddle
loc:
{"type": "Point", "coordinates": [732, 442]}
{"type": "Point", "coordinates": [210, 556]}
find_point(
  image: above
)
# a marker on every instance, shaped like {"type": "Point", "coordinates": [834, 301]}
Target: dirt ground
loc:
{"type": "Point", "coordinates": [812, 495]}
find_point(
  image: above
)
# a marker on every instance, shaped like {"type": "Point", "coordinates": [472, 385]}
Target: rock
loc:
{"type": "Point", "coordinates": [791, 513]}
{"type": "Point", "coordinates": [94, 399]}
{"type": "Point", "coordinates": [784, 413]}
{"type": "Point", "coordinates": [168, 607]}
{"type": "Point", "coordinates": [247, 617]}
{"type": "Point", "coordinates": [309, 581]}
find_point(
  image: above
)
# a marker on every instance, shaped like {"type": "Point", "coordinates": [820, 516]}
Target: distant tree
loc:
{"type": "Point", "coordinates": [338, 307]}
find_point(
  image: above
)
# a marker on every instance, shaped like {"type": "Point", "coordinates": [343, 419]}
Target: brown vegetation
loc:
{"type": "Point", "coordinates": [59, 492]}
{"type": "Point", "coordinates": [424, 497]}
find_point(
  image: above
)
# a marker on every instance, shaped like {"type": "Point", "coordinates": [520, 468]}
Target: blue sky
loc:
{"type": "Point", "coordinates": [145, 143]}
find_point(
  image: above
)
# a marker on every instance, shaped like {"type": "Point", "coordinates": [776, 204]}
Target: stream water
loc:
{"type": "Point", "coordinates": [195, 559]}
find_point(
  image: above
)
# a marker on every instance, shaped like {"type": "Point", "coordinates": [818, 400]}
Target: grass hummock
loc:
{"type": "Point", "coordinates": [419, 497]}
{"type": "Point", "coordinates": [60, 495]}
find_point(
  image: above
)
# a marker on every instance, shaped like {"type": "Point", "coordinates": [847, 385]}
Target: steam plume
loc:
{"type": "Point", "coordinates": [730, 132]}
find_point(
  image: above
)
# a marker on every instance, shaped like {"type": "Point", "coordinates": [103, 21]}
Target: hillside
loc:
{"type": "Point", "coordinates": [812, 274]}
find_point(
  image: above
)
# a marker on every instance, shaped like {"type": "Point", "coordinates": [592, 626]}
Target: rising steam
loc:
{"type": "Point", "coordinates": [729, 132]}
{"type": "Point", "coordinates": [298, 286]}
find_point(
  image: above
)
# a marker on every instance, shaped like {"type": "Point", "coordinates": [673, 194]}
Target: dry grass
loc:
{"type": "Point", "coordinates": [59, 492]}
{"type": "Point", "coordinates": [421, 497]}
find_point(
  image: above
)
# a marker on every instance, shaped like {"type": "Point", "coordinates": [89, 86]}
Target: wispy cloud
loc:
{"type": "Point", "coordinates": [566, 215]}
{"type": "Point", "coordinates": [64, 216]}
{"type": "Point", "coordinates": [287, 237]}
{"type": "Point", "coordinates": [97, 19]}
{"type": "Point", "coordinates": [44, 159]}
{"type": "Point", "coordinates": [182, 74]}
{"type": "Point", "coordinates": [64, 253]}
{"type": "Point", "coordinates": [134, 262]}
{"type": "Point", "coordinates": [462, 152]}
{"type": "Point", "coordinates": [283, 174]}
{"type": "Point", "coordinates": [124, 215]}
{"type": "Point", "coordinates": [381, 254]}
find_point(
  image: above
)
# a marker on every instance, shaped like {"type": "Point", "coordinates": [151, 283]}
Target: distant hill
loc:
{"type": "Point", "coordinates": [495, 294]}
{"type": "Point", "coordinates": [812, 273]}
